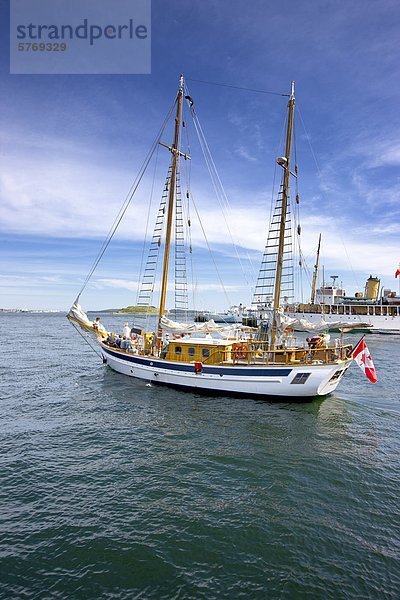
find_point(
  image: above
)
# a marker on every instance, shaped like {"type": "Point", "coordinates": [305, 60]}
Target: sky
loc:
{"type": "Point", "coordinates": [71, 146]}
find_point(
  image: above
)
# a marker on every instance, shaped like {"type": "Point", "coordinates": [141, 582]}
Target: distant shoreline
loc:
{"type": "Point", "coordinates": [111, 311]}
{"type": "Point", "coordinates": [30, 310]}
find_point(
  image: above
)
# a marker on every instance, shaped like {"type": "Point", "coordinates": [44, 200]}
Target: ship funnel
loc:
{"type": "Point", "coordinates": [371, 288]}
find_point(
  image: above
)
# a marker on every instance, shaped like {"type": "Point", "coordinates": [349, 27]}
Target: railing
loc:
{"type": "Point", "coordinates": [254, 353]}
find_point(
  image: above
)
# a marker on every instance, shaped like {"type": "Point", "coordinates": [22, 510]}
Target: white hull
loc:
{"type": "Point", "coordinates": [218, 318]}
{"type": "Point", "coordinates": [250, 380]}
{"type": "Point", "coordinates": [380, 323]}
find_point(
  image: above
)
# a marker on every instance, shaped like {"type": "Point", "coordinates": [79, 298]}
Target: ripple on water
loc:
{"type": "Point", "coordinates": [113, 489]}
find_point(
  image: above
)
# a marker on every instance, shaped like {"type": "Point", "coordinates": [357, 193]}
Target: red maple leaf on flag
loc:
{"type": "Point", "coordinates": [363, 358]}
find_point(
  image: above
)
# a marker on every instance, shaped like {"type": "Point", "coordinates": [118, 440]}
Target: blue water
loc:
{"type": "Point", "coordinates": [114, 489]}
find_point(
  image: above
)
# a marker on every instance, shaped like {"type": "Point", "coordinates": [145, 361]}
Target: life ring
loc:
{"type": "Point", "coordinates": [240, 351]}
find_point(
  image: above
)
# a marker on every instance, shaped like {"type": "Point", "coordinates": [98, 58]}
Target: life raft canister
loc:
{"type": "Point", "coordinates": [198, 367]}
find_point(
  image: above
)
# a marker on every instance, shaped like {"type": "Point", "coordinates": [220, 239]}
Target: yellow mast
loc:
{"type": "Point", "coordinates": [315, 275]}
{"type": "Point", "coordinates": [285, 197]}
{"type": "Point", "coordinates": [171, 199]}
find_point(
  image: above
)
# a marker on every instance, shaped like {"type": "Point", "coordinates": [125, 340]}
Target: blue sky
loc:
{"type": "Point", "coordinates": [71, 147]}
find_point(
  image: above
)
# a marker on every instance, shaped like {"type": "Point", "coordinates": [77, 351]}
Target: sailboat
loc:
{"type": "Point", "coordinates": [262, 361]}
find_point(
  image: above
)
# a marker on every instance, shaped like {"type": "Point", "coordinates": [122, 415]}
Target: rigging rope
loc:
{"type": "Point", "coordinates": [219, 190]}
{"type": "Point", "coordinates": [323, 193]}
{"type": "Point", "coordinates": [127, 201]}
{"type": "Point", "coordinates": [188, 176]}
{"type": "Point", "coordinates": [237, 87]}
{"type": "Point", "coordinates": [147, 226]}
{"type": "Point", "coordinates": [211, 254]}
{"type": "Point", "coordinates": [273, 202]}
{"type": "Point", "coordinates": [298, 279]}
{"type": "Point", "coordinates": [86, 340]}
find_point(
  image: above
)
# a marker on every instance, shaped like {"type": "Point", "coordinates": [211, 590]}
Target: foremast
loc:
{"type": "Point", "coordinates": [170, 208]}
{"type": "Point", "coordinates": [285, 199]}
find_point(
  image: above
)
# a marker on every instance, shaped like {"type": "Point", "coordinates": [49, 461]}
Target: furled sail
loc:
{"type": "Point", "coordinates": [207, 327]}
{"type": "Point", "coordinates": [77, 314]}
{"type": "Point", "coordinates": [285, 322]}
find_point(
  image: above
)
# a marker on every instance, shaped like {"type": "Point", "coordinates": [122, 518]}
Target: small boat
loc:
{"type": "Point", "coordinates": [235, 314]}
{"type": "Point", "coordinates": [223, 358]}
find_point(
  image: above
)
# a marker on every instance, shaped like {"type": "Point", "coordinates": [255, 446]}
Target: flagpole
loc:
{"type": "Point", "coordinates": [356, 346]}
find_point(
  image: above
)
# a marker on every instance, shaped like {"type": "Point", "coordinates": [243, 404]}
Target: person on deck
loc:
{"type": "Point", "coordinates": [126, 332]}
{"type": "Point", "coordinates": [315, 341]}
{"type": "Point", "coordinates": [111, 339]}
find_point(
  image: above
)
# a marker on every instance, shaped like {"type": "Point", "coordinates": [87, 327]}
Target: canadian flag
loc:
{"type": "Point", "coordinates": [398, 271]}
{"type": "Point", "coordinates": [364, 360]}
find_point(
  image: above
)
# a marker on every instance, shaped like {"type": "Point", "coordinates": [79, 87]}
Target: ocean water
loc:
{"type": "Point", "coordinates": [111, 488]}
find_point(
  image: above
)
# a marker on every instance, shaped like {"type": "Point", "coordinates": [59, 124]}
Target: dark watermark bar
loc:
{"type": "Point", "coordinates": [80, 37]}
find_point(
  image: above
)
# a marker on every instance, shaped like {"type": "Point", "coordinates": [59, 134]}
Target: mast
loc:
{"type": "Point", "coordinates": [285, 197]}
{"type": "Point", "coordinates": [315, 275]}
{"type": "Point", "coordinates": [170, 209]}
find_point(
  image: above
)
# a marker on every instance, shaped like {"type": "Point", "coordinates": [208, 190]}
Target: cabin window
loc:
{"type": "Point", "coordinates": [205, 352]}
{"type": "Point", "coordinates": [191, 351]}
{"type": "Point", "coordinates": [300, 378]}
{"type": "Point", "coordinates": [178, 349]}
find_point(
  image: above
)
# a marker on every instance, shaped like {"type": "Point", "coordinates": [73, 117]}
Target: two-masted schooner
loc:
{"type": "Point", "coordinates": [262, 361]}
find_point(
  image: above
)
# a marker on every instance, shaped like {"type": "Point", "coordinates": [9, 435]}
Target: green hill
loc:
{"type": "Point", "coordinates": [138, 310]}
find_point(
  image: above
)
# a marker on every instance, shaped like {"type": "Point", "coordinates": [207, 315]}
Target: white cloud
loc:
{"type": "Point", "coordinates": [243, 153]}
{"type": "Point", "coordinates": [126, 284]}
{"type": "Point", "coordinates": [79, 199]}
{"type": "Point", "coordinates": [62, 197]}
{"type": "Point", "coordinates": [379, 150]}
{"type": "Point", "coordinates": [134, 285]}
{"type": "Point", "coordinates": [77, 193]}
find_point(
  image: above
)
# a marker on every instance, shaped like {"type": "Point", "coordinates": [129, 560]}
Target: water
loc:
{"type": "Point", "coordinates": [114, 489]}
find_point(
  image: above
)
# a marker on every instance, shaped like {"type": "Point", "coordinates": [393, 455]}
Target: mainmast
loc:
{"type": "Point", "coordinates": [315, 275]}
{"type": "Point", "coordinates": [285, 197]}
{"type": "Point", "coordinates": [170, 208]}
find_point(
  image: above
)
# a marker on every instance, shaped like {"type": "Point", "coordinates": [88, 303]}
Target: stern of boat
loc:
{"type": "Point", "coordinates": [330, 383]}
